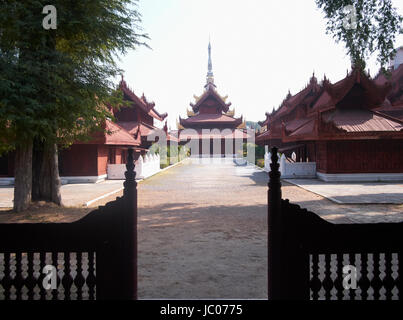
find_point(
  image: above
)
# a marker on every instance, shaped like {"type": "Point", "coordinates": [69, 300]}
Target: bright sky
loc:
{"type": "Point", "coordinates": [260, 50]}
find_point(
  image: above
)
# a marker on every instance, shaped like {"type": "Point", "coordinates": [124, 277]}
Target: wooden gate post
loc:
{"type": "Point", "coordinates": [130, 229]}
{"type": "Point", "coordinates": [274, 229]}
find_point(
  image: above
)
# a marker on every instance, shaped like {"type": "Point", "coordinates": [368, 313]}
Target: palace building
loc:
{"type": "Point", "coordinates": [134, 122]}
{"type": "Point", "coordinates": [211, 123]}
{"type": "Point", "coordinates": [88, 161]}
{"type": "Point", "coordinates": [352, 129]}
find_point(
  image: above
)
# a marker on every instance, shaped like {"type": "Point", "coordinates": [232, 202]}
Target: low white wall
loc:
{"type": "Point", "coordinates": [6, 181]}
{"type": "Point", "coordinates": [149, 166]}
{"type": "Point", "coordinates": [307, 170]}
{"type": "Point", "coordinates": [82, 179]}
{"type": "Point", "coordinates": [267, 161]}
{"type": "Point", "coordinates": [116, 171]}
{"type": "Point", "coordinates": [292, 170]}
{"type": "Point", "coordinates": [360, 177]}
{"type": "Point", "coordinates": [63, 180]}
{"type": "Point", "coordinates": [144, 167]}
{"type": "Point", "coordinates": [297, 169]}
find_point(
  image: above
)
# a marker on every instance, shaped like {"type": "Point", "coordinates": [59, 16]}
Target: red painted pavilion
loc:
{"type": "Point", "coordinates": [352, 129]}
{"type": "Point", "coordinates": [211, 122]}
{"type": "Point", "coordinates": [134, 123]}
{"type": "Point", "coordinates": [87, 161]}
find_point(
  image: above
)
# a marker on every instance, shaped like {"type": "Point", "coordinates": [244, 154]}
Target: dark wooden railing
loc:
{"type": "Point", "coordinates": [307, 254]}
{"type": "Point", "coordinates": [95, 257]}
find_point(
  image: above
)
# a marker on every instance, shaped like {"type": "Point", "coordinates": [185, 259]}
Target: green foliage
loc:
{"type": "Point", "coordinates": [378, 23]}
{"type": "Point", "coordinates": [55, 84]}
{"type": "Point", "coordinates": [173, 153]}
{"type": "Point", "coordinates": [253, 125]}
{"type": "Point", "coordinates": [259, 150]}
{"type": "Point", "coordinates": [260, 163]}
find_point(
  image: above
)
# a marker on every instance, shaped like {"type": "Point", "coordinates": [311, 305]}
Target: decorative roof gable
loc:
{"type": "Point", "coordinates": [146, 106]}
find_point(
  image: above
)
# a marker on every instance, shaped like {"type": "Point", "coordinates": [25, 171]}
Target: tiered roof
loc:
{"type": "Point", "coordinates": [394, 103]}
{"type": "Point", "coordinates": [113, 134]}
{"type": "Point", "coordinates": [129, 133]}
{"type": "Point", "coordinates": [344, 110]}
{"type": "Point", "coordinates": [211, 93]}
{"type": "Point", "coordinates": [142, 103]}
{"type": "Point", "coordinates": [210, 109]}
{"type": "Point", "coordinates": [141, 127]}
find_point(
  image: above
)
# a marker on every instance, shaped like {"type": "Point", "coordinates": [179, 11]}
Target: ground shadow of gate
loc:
{"type": "Point", "coordinates": [95, 257]}
{"type": "Point", "coordinates": [307, 254]}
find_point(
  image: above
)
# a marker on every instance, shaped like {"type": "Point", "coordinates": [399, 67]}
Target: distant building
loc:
{"type": "Point", "coordinates": [352, 129]}
{"type": "Point", "coordinates": [211, 122]}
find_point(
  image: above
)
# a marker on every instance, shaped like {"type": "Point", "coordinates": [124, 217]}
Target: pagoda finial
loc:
{"type": "Point", "coordinates": [122, 81]}
{"type": "Point", "coordinates": [210, 76]}
{"type": "Point", "coordinates": [313, 78]}
{"type": "Point", "coordinates": [166, 127]}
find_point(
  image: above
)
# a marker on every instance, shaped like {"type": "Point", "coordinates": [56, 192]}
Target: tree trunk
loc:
{"type": "Point", "coordinates": [37, 159]}
{"type": "Point", "coordinates": [23, 177]}
{"type": "Point", "coordinates": [46, 180]}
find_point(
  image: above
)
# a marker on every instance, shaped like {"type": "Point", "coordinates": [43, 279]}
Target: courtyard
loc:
{"type": "Point", "coordinates": [202, 229]}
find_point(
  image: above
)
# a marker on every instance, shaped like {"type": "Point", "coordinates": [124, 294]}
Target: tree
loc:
{"type": "Point", "coordinates": [365, 27]}
{"type": "Point", "coordinates": [55, 83]}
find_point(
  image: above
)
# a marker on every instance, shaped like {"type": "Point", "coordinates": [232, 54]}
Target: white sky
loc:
{"type": "Point", "coordinates": [260, 50]}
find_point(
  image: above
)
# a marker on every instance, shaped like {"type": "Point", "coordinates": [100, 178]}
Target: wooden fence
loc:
{"type": "Point", "coordinates": [95, 257]}
{"type": "Point", "coordinates": [307, 254]}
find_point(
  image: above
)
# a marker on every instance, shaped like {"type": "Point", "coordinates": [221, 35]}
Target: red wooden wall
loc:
{"type": "Point", "coordinates": [79, 160]}
{"type": "Point", "coordinates": [102, 159]}
{"type": "Point", "coordinates": [360, 156]}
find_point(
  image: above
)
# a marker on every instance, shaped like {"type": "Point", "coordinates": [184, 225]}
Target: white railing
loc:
{"type": "Point", "coordinates": [148, 165]}
{"type": "Point", "coordinates": [267, 161]}
{"type": "Point", "coordinates": [292, 170]}
{"type": "Point", "coordinates": [144, 167]}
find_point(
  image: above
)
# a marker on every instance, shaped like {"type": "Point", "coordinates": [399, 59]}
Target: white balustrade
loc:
{"type": "Point", "coordinates": [292, 169]}
{"type": "Point", "coordinates": [144, 167]}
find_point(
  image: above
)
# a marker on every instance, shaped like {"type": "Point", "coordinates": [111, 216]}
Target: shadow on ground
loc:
{"type": "Point", "coordinates": [192, 252]}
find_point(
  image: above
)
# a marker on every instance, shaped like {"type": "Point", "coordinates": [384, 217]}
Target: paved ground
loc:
{"type": "Point", "coordinates": [354, 192]}
{"type": "Point", "coordinates": [203, 229]}
{"type": "Point", "coordinates": [73, 195]}
{"type": "Point", "coordinates": [202, 233]}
